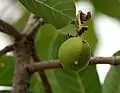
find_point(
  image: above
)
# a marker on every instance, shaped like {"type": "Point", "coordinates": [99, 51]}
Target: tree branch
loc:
{"type": "Point", "coordinates": [21, 75]}
{"type": "Point", "coordinates": [43, 65]}
{"type": "Point", "coordinates": [114, 60]}
{"type": "Point", "coordinates": [31, 21]}
{"type": "Point", "coordinates": [32, 26]}
{"type": "Point", "coordinates": [34, 29]}
{"type": "Point", "coordinates": [9, 29]}
{"type": "Point", "coordinates": [7, 49]}
{"type": "Point", "coordinates": [51, 64]}
{"type": "Point", "coordinates": [30, 31]}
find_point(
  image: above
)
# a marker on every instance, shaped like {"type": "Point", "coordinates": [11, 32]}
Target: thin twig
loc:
{"type": "Point", "coordinates": [32, 32]}
{"type": "Point", "coordinates": [9, 29]}
{"type": "Point", "coordinates": [31, 21]}
{"type": "Point", "coordinates": [51, 64]}
{"type": "Point", "coordinates": [43, 65]}
{"type": "Point", "coordinates": [114, 60]}
{"type": "Point", "coordinates": [41, 73]}
{"type": "Point", "coordinates": [7, 49]}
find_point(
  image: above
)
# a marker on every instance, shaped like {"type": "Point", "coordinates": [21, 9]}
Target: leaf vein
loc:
{"type": "Point", "coordinates": [53, 9]}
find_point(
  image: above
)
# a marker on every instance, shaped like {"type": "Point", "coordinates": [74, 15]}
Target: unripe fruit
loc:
{"type": "Point", "coordinates": [74, 54]}
{"type": "Point", "coordinates": [85, 56]}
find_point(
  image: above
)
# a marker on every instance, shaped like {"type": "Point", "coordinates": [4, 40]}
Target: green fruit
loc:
{"type": "Point", "coordinates": [85, 56]}
{"type": "Point", "coordinates": [74, 54]}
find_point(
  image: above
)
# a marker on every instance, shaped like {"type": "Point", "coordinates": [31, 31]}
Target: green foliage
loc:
{"type": "Point", "coordinates": [112, 81]}
{"type": "Point", "coordinates": [36, 84]}
{"type": "Point", "coordinates": [65, 81]}
{"type": "Point", "coordinates": [6, 70]}
{"type": "Point", "coordinates": [43, 40]}
{"type": "Point", "coordinates": [109, 7]}
{"type": "Point", "coordinates": [90, 35]}
{"type": "Point", "coordinates": [68, 82]}
{"type": "Point", "coordinates": [58, 39]}
{"type": "Point", "coordinates": [90, 80]}
{"type": "Point", "coordinates": [57, 12]}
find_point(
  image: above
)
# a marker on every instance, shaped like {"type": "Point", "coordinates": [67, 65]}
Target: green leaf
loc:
{"type": "Point", "coordinates": [90, 35]}
{"type": "Point", "coordinates": [57, 12]}
{"type": "Point", "coordinates": [90, 80]}
{"type": "Point", "coordinates": [6, 70]}
{"type": "Point", "coordinates": [56, 43]}
{"type": "Point", "coordinates": [112, 81]}
{"type": "Point", "coordinates": [117, 53]}
{"type": "Point", "coordinates": [4, 91]}
{"type": "Point", "coordinates": [69, 82]}
{"type": "Point", "coordinates": [109, 7]}
{"type": "Point", "coordinates": [69, 29]}
{"type": "Point", "coordinates": [36, 84]}
{"type": "Point", "coordinates": [43, 40]}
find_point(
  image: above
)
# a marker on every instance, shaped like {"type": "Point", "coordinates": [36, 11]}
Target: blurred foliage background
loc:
{"type": "Point", "coordinates": [16, 14]}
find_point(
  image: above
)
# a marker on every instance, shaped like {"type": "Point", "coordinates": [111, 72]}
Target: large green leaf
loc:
{"type": "Point", "coordinates": [43, 40]}
{"type": "Point", "coordinates": [90, 35]}
{"type": "Point", "coordinates": [112, 80]}
{"type": "Point", "coordinates": [69, 82]}
{"type": "Point", "coordinates": [109, 7]}
{"type": "Point", "coordinates": [36, 84]}
{"type": "Point", "coordinates": [6, 70]}
{"type": "Point", "coordinates": [90, 80]}
{"type": "Point", "coordinates": [57, 12]}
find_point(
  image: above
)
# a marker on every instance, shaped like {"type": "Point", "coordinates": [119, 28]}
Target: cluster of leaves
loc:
{"type": "Point", "coordinates": [58, 14]}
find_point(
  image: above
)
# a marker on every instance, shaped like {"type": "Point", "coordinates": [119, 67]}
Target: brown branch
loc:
{"type": "Point", "coordinates": [43, 65]}
{"type": "Point", "coordinates": [23, 47]}
{"type": "Point", "coordinates": [9, 29]}
{"type": "Point", "coordinates": [114, 60]}
{"type": "Point", "coordinates": [51, 64]}
{"type": "Point", "coordinates": [7, 49]}
{"type": "Point", "coordinates": [31, 21]}
{"type": "Point", "coordinates": [21, 75]}
{"type": "Point", "coordinates": [32, 32]}
{"type": "Point", "coordinates": [41, 73]}
{"type": "Point", "coordinates": [32, 26]}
